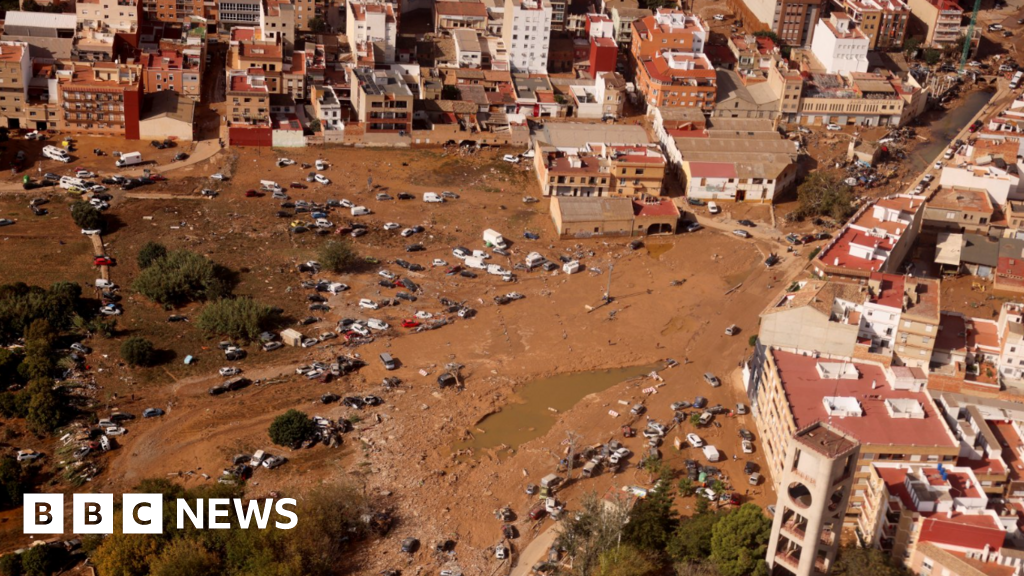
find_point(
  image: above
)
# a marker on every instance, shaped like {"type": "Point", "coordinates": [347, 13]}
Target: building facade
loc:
{"type": "Point", "coordinates": [100, 98]}
{"type": "Point", "coordinates": [527, 35]}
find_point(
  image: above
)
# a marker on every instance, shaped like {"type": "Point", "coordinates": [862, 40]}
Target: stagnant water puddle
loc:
{"type": "Point", "coordinates": [946, 127]}
{"type": "Point", "coordinates": [532, 417]}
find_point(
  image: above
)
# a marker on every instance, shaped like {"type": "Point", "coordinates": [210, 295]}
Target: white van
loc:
{"type": "Point", "coordinates": [101, 283]}
{"type": "Point", "coordinates": [432, 197]}
{"type": "Point", "coordinates": [129, 159]}
{"type": "Point", "coordinates": [571, 267]}
{"type": "Point", "coordinates": [1016, 80]}
{"type": "Point", "coordinates": [474, 262]}
{"type": "Point", "coordinates": [69, 182]}
{"type": "Point", "coordinates": [711, 453]}
{"type": "Point", "coordinates": [534, 259]}
{"type": "Point", "coordinates": [270, 185]}
{"type": "Point", "coordinates": [58, 154]}
{"type": "Point", "coordinates": [360, 210]}
{"type": "Point", "coordinates": [496, 270]}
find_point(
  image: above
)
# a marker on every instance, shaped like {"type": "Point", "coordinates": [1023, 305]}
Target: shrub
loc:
{"type": "Point", "coordinates": [291, 428]}
{"type": "Point", "coordinates": [240, 318]}
{"type": "Point", "coordinates": [180, 277]}
{"type": "Point", "coordinates": [338, 256]}
{"type": "Point", "coordinates": [86, 216]}
{"type": "Point", "coordinates": [21, 304]}
{"type": "Point", "coordinates": [150, 253]}
{"type": "Point", "coordinates": [137, 351]}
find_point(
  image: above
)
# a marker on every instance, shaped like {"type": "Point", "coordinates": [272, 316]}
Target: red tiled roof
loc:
{"type": "Point", "coordinates": [712, 169]}
{"type": "Point", "coordinates": [973, 531]}
{"type": "Point", "coordinates": [891, 292]}
{"type": "Point", "coordinates": [461, 9]}
{"type": "Point", "coordinates": [663, 207]}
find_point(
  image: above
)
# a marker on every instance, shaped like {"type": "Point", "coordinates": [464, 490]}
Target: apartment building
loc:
{"type": "Point", "coordinates": [177, 11]}
{"type": "Point", "coordinates": [886, 409]}
{"type": "Point", "coordinates": [382, 100]}
{"type": "Point", "coordinates": [277, 23]}
{"type": "Point", "coordinates": [938, 22]}
{"type": "Point", "coordinates": [327, 107]}
{"type": "Point", "coordinates": [919, 321]}
{"type": "Point", "coordinates": [460, 15]}
{"type": "Point", "coordinates": [232, 13]}
{"type": "Point", "coordinates": [305, 12]}
{"type": "Point", "coordinates": [876, 239]}
{"type": "Point", "coordinates": [178, 71]}
{"type": "Point", "coordinates": [527, 35]}
{"type": "Point", "coordinates": [989, 164]}
{"type": "Point", "coordinates": [108, 15]}
{"type": "Point", "coordinates": [623, 13]}
{"type": "Point", "coordinates": [680, 80]}
{"type": "Point", "coordinates": [672, 30]}
{"type": "Point", "coordinates": [884, 22]}
{"type": "Point", "coordinates": [839, 45]}
{"type": "Point", "coordinates": [102, 98]}
{"type": "Point", "coordinates": [372, 30]}
{"type": "Point", "coordinates": [602, 170]}
{"type": "Point", "coordinates": [956, 209]}
{"type": "Point", "coordinates": [792, 20]}
{"type": "Point", "coordinates": [248, 98]}
{"type": "Point", "coordinates": [15, 76]}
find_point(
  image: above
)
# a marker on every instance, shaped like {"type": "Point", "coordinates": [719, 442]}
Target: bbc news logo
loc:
{"type": "Point", "coordinates": [144, 513]}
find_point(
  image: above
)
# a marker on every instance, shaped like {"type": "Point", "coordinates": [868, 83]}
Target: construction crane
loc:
{"type": "Point", "coordinates": [970, 35]}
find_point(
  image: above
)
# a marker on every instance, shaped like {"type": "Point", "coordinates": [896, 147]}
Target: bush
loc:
{"type": "Point", "coordinates": [239, 318]}
{"type": "Point", "coordinates": [137, 351]}
{"type": "Point", "coordinates": [86, 216]}
{"type": "Point", "coordinates": [45, 409]}
{"type": "Point", "coordinates": [825, 194]}
{"type": "Point", "coordinates": [180, 277]}
{"type": "Point", "coordinates": [739, 542]}
{"type": "Point", "coordinates": [150, 253]}
{"type": "Point", "coordinates": [291, 429]}
{"type": "Point", "coordinates": [14, 483]}
{"type": "Point", "coordinates": [21, 304]}
{"type": "Point", "coordinates": [338, 256]}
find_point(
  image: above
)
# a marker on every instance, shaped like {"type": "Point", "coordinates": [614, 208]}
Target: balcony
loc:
{"type": "Point", "coordinates": [797, 529]}
{"type": "Point", "coordinates": [788, 560]}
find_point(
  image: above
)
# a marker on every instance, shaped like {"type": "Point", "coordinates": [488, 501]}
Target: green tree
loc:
{"type": "Point", "coordinates": [770, 35]}
{"type": "Point", "coordinates": [10, 565]}
{"type": "Point", "coordinates": [651, 520]}
{"type": "Point", "coordinates": [9, 362]}
{"type": "Point", "coordinates": [137, 351]}
{"type": "Point", "coordinates": [185, 557]}
{"type": "Point", "coordinates": [150, 253]}
{"type": "Point", "coordinates": [597, 527]}
{"type": "Point", "coordinates": [318, 25]}
{"type": "Point", "coordinates": [46, 407]}
{"type": "Point", "coordinates": [910, 46]}
{"type": "Point", "coordinates": [691, 540]}
{"type": "Point", "coordinates": [40, 358]}
{"type": "Point", "coordinates": [239, 318]}
{"type": "Point", "coordinates": [854, 561]}
{"type": "Point", "coordinates": [956, 48]}
{"type": "Point", "coordinates": [686, 487]}
{"type": "Point", "coordinates": [695, 419]}
{"type": "Point", "coordinates": [14, 482]}
{"type": "Point", "coordinates": [86, 216]}
{"type": "Point", "coordinates": [338, 256]}
{"type": "Point", "coordinates": [739, 542]}
{"type": "Point", "coordinates": [451, 92]}
{"type": "Point", "coordinates": [180, 277]}
{"type": "Point", "coordinates": [932, 56]}
{"type": "Point", "coordinates": [824, 194]}
{"type": "Point", "coordinates": [126, 554]}
{"type": "Point", "coordinates": [43, 560]}
{"type": "Point", "coordinates": [627, 561]}
{"type": "Point", "coordinates": [291, 428]}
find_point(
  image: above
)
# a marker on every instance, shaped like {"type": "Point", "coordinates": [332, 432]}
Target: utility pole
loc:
{"type": "Point", "coordinates": [571, 438]}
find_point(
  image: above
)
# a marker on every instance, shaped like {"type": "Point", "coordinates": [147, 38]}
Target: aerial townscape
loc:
{"type": "Point", "coordinates": [515, 287]}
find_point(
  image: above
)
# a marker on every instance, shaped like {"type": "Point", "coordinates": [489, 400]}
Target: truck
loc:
{"type": "Point", "coordinates": [129, 159]}
{"type": "Point", "coordinates": [494, 238]}
{"type": "Point", "coordinates": [534, 259]}
{"type": "Point", "coordinates": [58, 154]}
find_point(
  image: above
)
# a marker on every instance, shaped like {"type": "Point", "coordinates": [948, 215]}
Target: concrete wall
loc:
{"type": "Point", "coordinates": [161, 128]}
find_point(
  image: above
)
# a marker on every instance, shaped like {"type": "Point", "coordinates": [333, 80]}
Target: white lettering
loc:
{"type": "Point", "coordinates": [279, 507]}
{"type": "Point", "coordinates": [219, 509]}
{"type": "Point", "coordinates": [253, 509]}
{"type": "Point", "coordinates": [196, 517]}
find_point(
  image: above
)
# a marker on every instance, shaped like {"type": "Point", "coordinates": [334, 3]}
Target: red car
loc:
{"type": "Point", "coordinates": [252, 194]}
{"type": "Point", "coordinates": [103, 261]}
{"type": "Point", "coordinates": [628, 432]}
{"type": "Point", "coordinates": [409, 323]}
{"type": "Point", "coordinates": [157, 178]}
{"type": "Point", "coordinates": [453, 270]}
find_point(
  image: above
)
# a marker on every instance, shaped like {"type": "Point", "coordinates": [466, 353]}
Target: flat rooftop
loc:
{"type": "Point", "coordinates": [805, 390]}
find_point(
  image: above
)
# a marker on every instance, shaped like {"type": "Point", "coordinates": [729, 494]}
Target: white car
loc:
{"type": "Point", "coordinates": [321, 165]}
{"type": "Point", "coordinates": [322, 179]}
{"type": "Point", "coordinates": [423, 315]}
{"type": "Point", "coordinates": [346, 203]}
{"type": "Point", "coordinates": [834, 127]}
{"type": "Point", "coordinates": [324, 223]}
{"type": "Point", "coordinates": [309, 342]}
{"type": "Point", "coordinates": [386, 274]}
{"type": "Point", "coordinates": [438, 262]}
{"type": "Point", "coordinates": [713, 208]}
{"type": "Point", "coordinates": [481, 255]}
{"type": "Point", "coordinates": [368, 304]}
{"type": "Point", "coordinates": [114, 431]}
{"type": "Point", "coordinates": [28, 455]}
{"type": "Point", "coordinates": [460, 253]}
{"type": "Point", "coordinates": [938, 166]}
{"type": "Point", "coordinates": [407, 232]}
{"type": "Point", "coordinates": [359, 329]}
{"type": "Point", "coordinates": [496, 270]}
{"type": "Point", "coordinates": [84, 174]}
{"type": "Point", "coordinates": [336, 288]}
{"type": "Point", "coordinates": [719, 18]}
{"type": "Point", "coordinates": [285, 162]}
{"type": "Point", "coordinates": [377, 324]}
{"type": "Point", "coordinates": [510, 159]}
{"type": "Point", "coordinates": [230, 371]}
{"type": "Point", "coordinates": [392, 226]}
{"type": "Point", "coordinates": [748, 447]}
{"type": "Point", "coordinates": [218, 176]}
{"type": "Point", "coordinates": [694, 440]}
{"type": "Point", "coordinates": [91, 231]}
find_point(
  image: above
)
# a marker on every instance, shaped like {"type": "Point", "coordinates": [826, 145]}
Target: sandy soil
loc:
{"type": "Point", "coordinates": [405, 457]}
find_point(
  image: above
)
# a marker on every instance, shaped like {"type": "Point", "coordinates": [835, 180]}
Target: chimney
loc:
{"type": "Point", "coordinates": [874, 384]}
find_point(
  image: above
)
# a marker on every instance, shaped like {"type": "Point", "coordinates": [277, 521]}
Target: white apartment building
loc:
{"type": "Point", "coordinates": [1011, 340]}
{"type": "Point", "coordinates": [527, 34]}
{"type": "Point", "coordinates": [369, 23]}
{"type": "Point", "coordinates": [1001, 183]}
{"type": "Point", "coordinates": [839, 45]}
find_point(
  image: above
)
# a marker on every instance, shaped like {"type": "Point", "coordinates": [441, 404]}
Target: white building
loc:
{"type": "Point", "coordinates": [839, 45]}
{"type": "Point", "coordinates": [371, 23]}
{"type": "Point", "coordinates": [527, 34]}
{"type": "Point", "coordinates": [468, 48]}
{"type": "Point", "coordinates": [1011, 336]}
{"type": "Point", "coordinates": [1001, 183]}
